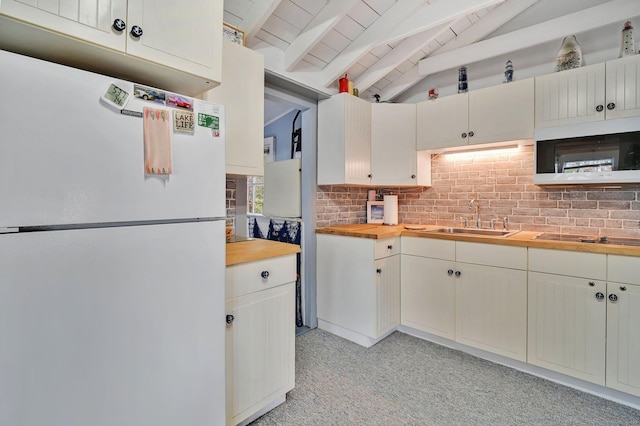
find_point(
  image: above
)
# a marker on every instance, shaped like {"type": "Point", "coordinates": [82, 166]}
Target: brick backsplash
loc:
{"type": "Point", "coordinates": [502, 181]}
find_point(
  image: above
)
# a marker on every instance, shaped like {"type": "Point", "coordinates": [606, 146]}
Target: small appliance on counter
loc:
{"type": "Point", "coordinates": [390, 210]}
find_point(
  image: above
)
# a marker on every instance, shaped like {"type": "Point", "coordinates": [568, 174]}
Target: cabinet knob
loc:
{"type": "Point", "coordinates": [413, 176]}
{"type": "Point", "coordinates": [264, 274]}
{"type": "Point", "coordinates": [136, 31]}
{"type": "Point", "coordinates": [599, 108]}
{"type": "Point", "coordinates": [458, 273]}
{"type": "Point", "coordinates": [611, 105]}
{"type": "Point", "coordinates": [623, 288]}
{"type": "Point", "coordinates": [464, 135]}
{"type": "Point", "coordinates": [599, 295]}
{"type": "Point", "coordinates": [471, 134]}
{"type": "Point", "coordinates": [450, 272]}
{"type": "Point", "coordinates": [369, 175]}
{"type": "Point", "coordinates": [389, 247]}
{"type": "Point", "coordinates": [591, 283]}
{"type": "Point", "coordinates": [613, 298]}
{"type": "Point", "coordinates": [378, 271]}
{"type": "Point", "coordinates": [230, 319]}
{"type": "Point", "coordinates": [119, 25]}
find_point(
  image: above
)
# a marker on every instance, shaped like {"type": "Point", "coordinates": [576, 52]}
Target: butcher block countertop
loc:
{"type": "Point", "coordinates": [258, 249]}
{"type": "Point", "coordinates": [521, 239]}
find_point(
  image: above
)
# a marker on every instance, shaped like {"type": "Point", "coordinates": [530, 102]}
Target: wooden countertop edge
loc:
{"type": "Point", "coordinates": [252, 250]}
{"type": "Point", "coordinates": [521, 239]}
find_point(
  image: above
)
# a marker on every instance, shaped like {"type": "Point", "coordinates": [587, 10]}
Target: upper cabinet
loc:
{"type": "Point", "coordinates": [493, 114]}
{"type": "Point", "coordinates": [242, 94]}
{"type": "Point", "coordinates": [596, 92]}
{"type": "Point", "coordinates": [360, 143]}
{"type": "Point", "coordinates": [344, 141]}
{"type": "Point", "coordinates": [159, 50]}
{"type": "Point", "coordinates": [394, 160]}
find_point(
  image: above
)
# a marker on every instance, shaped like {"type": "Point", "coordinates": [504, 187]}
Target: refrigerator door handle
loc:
{"type": "Point", "coordinates": [9, 229]}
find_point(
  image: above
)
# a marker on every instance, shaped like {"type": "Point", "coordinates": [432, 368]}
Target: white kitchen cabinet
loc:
{"type": "Point", "coordinates": [493, 114]}
{"type": "Point", "coordinates": [623, 317]}
{"type": "Point", "coordinates": [567, 313]}
{"type": "Point", "coordinates": [592, 93]}
{"type": "Point", "coordinates": [242, 94]}
{"type": "Point", "coordinates": [344, 141]}
{"type": "Point", "coordinates": [358, 287]}
{"type": "Point", "coordinates": [175, 54]}
{"type": "Point", "coordinates": [428, 292]}
{"type": "Point", "coordinates": [394, 159]}
{"type": "Point", "coordinates": [491, 298]}
{"type": "Point", "coordinates": [260, 337]}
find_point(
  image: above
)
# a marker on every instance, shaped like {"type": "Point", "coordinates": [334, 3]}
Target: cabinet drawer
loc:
{"type": "Point", "coordinates": [623, 269]}
{"type": "Point", "coordinates": [492, 255]}
{"type": "Point", "coordinates": [429, 247]}
{"type": "Point", "coordinates": [247, 278]}
{"type": "Point", "coordinates": [571, 263]}
{"type": "Point", "coordinates": [386, 247]}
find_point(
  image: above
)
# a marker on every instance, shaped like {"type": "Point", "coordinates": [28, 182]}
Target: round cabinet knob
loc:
{"type": "Point", "coordinates": [230, 319]}
{"type": "Point", "coordinates": [264, 274]}
{"type": "Point", "coordinates": [471, 134]}
{"type": "Point", "coordinates": [378, 271]}
{"type": "Point", "coordinates": [413, 176]}
{"type": "Point", "coordinates": [613, 298]}
{"type": "Point", "coordinates": [119, 25]}
{"type": "Point", "coordinates": [450, 272]}
{"type": "Point", "coordinates": [623, 288]}
{"type": "Point", "coordinates": [464, 135]}
{"type": "Point", "coordinates": [591, 283]}
{"type": "Point", "coordinates": [369, 176]}
{"type": "Point", "coordinates": [136, 31]}
{"type": "Point", "coordinates": [389, 247]}
{"type": "Point", "coordinates": [611, 105]}
{"type": "Point", "coordinates": [599, 108]}
{"type": "Point", "coordinates": [599, 295]}
{"type": "Point", "coordinates": [458, 273]}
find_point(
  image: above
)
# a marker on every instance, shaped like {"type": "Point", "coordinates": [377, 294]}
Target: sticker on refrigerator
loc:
{"type": "Point", "coordinates": [210, 121]}
{"type": "Point", "coordinates": [148, 94]}
{"type": "Point", "coordinates": [178, 101]}
{"type": "Point", "coordinates": [183, 121]}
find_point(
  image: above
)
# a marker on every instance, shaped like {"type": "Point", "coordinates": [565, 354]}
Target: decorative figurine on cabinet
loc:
{"type": "Point", "coordinates": [627, 48]}
{"type": "Point", "coordinates": [508, 72]}
{"type": "Point", "coordinates": [570, 54]}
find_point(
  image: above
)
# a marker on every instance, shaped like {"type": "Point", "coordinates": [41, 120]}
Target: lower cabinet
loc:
{"type": "Point", "coordinates": [358, 287]}
{"type": "Point", "coordinates": [260, 337]}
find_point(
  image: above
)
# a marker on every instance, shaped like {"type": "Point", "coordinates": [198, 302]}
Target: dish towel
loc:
{"type": "Point", "coordinates": [157, 142]}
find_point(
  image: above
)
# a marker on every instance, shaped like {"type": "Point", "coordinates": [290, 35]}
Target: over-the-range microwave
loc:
{"type": "Point", "coordinates": [588, 153]}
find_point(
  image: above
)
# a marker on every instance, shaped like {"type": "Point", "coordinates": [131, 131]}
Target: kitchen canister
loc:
{"type": "Point", "coordinates": [390, 204]}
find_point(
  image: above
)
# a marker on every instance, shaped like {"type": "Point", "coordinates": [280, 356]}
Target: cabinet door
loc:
{"type": "Point", "coordinates": [491, 309]}
{"type": "Point", "coordinates": [192, 43]}
{"type": "Point", "coordinates": [387, 294]}
{"type": "Point", "coordinates": [441, 123]}
{"type": "Point", "coordinates": [623, 87]}
{"type": "Point", "coordinates": [89, 20]}
{"type": "Point", "coordinates": [428, 296]}
{"type": "Point", "coordinates": [567, 325]}
{"type": "Point", "coordinates": [242, 94]}
{"type": "Point", "coordinates": [623, 338]}
{"type": "Point", "coordinates": [260, 350]}
{"type": "Point", "coordinates": [570, 97]}
{"type": "Point", "coordinates": [501, 113]}
{"type": "Point", "coordinates": [393, 144]}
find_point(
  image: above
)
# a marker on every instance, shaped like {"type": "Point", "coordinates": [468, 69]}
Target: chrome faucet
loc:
{"type": "Point", "coordinates": [477, 206]}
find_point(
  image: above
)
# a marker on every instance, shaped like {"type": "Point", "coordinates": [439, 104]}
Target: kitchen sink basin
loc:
{"type": "Point", "coordinates": [474, 231]}
{"type": "Point", "coordinates": [621, 241]}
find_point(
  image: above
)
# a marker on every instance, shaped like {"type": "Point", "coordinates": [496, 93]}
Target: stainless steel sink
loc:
{"type": "Point", "coordinates": [620, 241]}
{"type": "Point", "coordinates": [474, 231]}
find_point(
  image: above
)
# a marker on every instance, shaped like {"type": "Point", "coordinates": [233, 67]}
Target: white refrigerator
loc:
{"type": "Point", "coordinates": [111, 278]}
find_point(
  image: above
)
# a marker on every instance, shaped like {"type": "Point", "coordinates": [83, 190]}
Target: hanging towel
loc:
{"type": "Point", "coordinates": [157, 142]}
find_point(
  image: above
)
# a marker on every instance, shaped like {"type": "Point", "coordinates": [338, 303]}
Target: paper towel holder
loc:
{"type": "Point", "coordinates": [375, 211]}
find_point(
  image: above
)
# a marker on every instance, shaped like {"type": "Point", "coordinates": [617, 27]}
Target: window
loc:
{"type": "Point", "coordinates": [255, 194]}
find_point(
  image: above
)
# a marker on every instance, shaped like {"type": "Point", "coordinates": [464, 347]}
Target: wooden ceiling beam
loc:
{"type": "Point", "coordinates": [256, 17]}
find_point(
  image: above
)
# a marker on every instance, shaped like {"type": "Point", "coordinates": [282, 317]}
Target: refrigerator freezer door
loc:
{"type": "Point", "coordinates": [66, 157]}
{"type": "Point", "coordinates": [113, 326]}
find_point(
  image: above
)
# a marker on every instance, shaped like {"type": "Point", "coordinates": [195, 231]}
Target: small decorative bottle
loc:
{"type": "Point", "coordinates": [627, 48]}
{"type": "Point", "coordinates": [462, 79]}
{"type": "Point", "coordinates": [508, 72]}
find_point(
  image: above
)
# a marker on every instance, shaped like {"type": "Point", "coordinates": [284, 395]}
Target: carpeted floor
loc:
{"type": "Point", "coordinates": [404, 380]}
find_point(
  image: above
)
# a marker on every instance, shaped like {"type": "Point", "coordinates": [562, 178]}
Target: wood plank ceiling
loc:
{"type": "Point", "coordinates": [388, 46]}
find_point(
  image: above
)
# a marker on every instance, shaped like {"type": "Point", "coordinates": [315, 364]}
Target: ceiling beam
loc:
{"type": "Point", "coordinates": [257, 16]}
{"type": "Point", "coordinates": [321, 24]}
{"type": "Point", "coordinates": [584, 20]}
{"type": "Point", "coordinates": [436, 14]}
{"type": "Point", "coordinates": [402, 52]}
{"type": "Point", "coordinates": [485, 26]}
{"type": "Point", "coordinates": [371, 37]}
